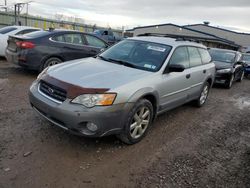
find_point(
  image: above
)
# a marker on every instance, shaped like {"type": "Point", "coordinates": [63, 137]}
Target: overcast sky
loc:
{"type": "Point", "coordinates": [130, 13]}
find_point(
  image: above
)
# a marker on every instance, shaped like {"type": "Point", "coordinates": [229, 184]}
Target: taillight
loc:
{"type": "Point", "coordinates": [25, 45]}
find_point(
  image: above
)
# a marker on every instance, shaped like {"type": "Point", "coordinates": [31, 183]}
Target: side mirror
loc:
{"type": "Point", "coordinates": [102, 50]}
{"type": "Point", "coordinates": [176, 68]}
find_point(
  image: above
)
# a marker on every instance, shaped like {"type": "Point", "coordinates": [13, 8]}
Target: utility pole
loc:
{"type": "Point", "coordinates": [5, 4]}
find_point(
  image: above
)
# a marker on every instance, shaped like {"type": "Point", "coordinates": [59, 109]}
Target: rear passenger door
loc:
{"type": "Point", "coordinates": [198, 72]}
{"type": "Point", "coordinates": [74, 46]}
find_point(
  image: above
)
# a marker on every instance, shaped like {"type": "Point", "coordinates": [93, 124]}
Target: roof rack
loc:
{"type": "Point", "coordinates": [176, 37]}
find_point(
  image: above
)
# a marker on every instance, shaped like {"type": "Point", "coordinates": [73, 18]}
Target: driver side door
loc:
{"type": "Point", "coordinates": [175, 86]}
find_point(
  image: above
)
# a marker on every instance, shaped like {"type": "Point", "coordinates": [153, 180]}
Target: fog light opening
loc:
{"type": "Point", "coordinates": [92, 127]}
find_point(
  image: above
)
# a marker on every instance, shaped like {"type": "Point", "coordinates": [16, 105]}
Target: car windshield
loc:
{"type": "Point", "coordinates": [246, 58]}
{"type": "Point", "coordinates": [6, 30]}
{"type": "Point", "coordinates": [223, 56]}
{"type": "Point", "coordinates": [137, 54]}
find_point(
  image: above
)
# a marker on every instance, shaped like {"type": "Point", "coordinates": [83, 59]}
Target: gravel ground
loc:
{"type": "Point", "coordinates": [186, 147]}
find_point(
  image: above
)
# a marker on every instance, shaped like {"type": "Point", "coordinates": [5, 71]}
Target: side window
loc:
{"type": "Point", "coordinates": [205, 56]}
{"type": "Point", "coordinates": [59, 38]}
{"type": "Point", "coordinates": [73, 38]}
{"type": "Point", "coordinates": [194, 57]}
{"type": "Point", "coordinates": [93, 41]}
{"type": "Point", "coordinates": [180, 56]}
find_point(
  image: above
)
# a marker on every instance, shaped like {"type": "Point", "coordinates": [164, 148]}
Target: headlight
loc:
{"type": "Point", "coordinates": [42, 73]}
{"type": "Point", "coordinates": [91, 100]}
{"type": "Point", "coordinates": [224, 70]}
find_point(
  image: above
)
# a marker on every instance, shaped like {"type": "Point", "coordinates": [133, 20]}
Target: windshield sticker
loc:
{"type": "Point", "coordinates": [149, 66]}
{"type": "Point", "coordinates": [156, 48]}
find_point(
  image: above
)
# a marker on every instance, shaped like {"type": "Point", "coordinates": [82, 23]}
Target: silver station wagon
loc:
{"type": "Point", "coordinates": [123, 89]}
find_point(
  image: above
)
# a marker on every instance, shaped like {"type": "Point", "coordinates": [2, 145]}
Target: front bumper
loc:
{"type": "Point", "coordinates": [222, 78]}
{"type": "Point", "coordinates": [74, 117]}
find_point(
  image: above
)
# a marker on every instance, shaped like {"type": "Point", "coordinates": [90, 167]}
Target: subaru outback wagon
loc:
{"type": "Point", "coordinates": [123, 89]}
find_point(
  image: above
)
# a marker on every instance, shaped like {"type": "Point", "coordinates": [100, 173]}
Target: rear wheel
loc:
{"type": "Point", "coordinates": [203, 96]}
{"type": "Point", "coordinates": [51, 61]}
{"type": "Point", "coordinates": [138, 122]}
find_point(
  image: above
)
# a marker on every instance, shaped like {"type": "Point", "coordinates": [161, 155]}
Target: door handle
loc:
{"type": "Point", "coordinates": [188, 76]}
{"type": "Point", "coordinates": [204, 71]}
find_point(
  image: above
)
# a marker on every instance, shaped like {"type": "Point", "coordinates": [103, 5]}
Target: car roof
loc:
{"type": "Point", "coordinates": [167, 41]}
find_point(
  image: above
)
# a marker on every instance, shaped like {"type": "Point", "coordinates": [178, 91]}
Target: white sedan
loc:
{"type": "Point", "coordinates": [12, 30]}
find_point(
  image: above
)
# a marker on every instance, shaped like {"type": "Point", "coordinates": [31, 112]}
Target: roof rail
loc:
{"type": "Point", "coordinates": [176, 37]}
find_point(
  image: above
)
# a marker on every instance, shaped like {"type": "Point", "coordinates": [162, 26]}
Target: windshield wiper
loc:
{"type": "Point", "coordinates": [118, 61]}
{"type": "Point", "coordinates": [125, 63]}
{"type": "Point", "coordinates": [103, 58]}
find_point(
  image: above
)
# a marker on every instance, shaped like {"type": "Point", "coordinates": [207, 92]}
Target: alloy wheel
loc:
{"type": "Point", "coordinates": [140, 122]}
{"type": "Point", "coordinates": [231, 81]}
{"type": "Point", "coordinates": [204, 94]}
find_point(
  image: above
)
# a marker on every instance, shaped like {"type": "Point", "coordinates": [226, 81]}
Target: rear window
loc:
{"type": "Point", "coordinates": [6, 30]}
{"type": "Point", "coordinates": [37, 34]}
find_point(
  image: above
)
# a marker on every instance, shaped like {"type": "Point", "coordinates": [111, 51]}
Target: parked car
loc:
{"type": "Point", "coordinates": [107, 35]}
{"type": "Point", "coordinates": [229, 68]}
{"type": "Point", "coordinates": [12, 30]}
{"type": "Point", "coordinates": [41, 49]}
{"type": "Point", "coordinates": [245, 49]}
{"type": "Point", "coordinates": [246, 61]}
{"type": "Point", "coordinates": [124, 88]}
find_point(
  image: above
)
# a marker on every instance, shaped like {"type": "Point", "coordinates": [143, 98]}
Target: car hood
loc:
{"type": "Point", "coordinates": [96, 73]}
{"type": "Point", "coordinates": [222, 65]}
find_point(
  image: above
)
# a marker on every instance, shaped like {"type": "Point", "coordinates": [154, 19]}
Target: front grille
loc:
{"type": "Point", "coordinates": [53, 91]}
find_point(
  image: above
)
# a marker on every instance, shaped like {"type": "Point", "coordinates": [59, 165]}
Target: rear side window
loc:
{"type": "Point", "coordinates": [205, 56]}
{"type": "Point", "coordinates": [74, 38]}
{"type": "Point", "coordinates": [180, 56]}
{"type": "Point", "coordinates": [194, 57]}
{"type": "Point", "coordinates": [59, 38]}
{"type": "Point", "coordinates": [7, 30]}
{"type": "Point", "coordinates": [93, 41]}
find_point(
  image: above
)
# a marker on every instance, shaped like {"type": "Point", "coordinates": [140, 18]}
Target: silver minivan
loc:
{"type": "Point", "coordinates": [123, 89]}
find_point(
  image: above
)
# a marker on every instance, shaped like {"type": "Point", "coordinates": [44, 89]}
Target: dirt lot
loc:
{"type": "Point", "coordinates": [186, 147]}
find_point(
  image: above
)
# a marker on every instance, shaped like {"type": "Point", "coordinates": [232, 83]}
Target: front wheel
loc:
{"type": "Point", "coordinates": [230, 82]}
{"type": "Point", "coordinates": [138, 122]}
{"type": "Point", "coordinates": [203, 95]}
{"type": "Point", "coordinates": [241, 77]}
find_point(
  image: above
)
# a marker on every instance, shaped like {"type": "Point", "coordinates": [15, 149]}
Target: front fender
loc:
{"type": "Point", "coordinates": [143, 92]}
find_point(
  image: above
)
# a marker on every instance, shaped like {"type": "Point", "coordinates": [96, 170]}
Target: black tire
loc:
{"type": "Point", "coordinates": [229, 82]}
{"type": "Point", "coordinates": [246, 75]}
{"type": "Point", "coordinates": [51, 61]}
{"type": "Point", "coordinates": [241, 77]}
{"type": "Point", "coordinates": [126, 135]}
{"type": "Point", "coordinates": [199, 102]}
